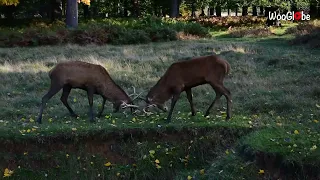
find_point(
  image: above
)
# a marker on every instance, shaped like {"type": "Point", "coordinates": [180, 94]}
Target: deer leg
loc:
{"type": "Point", "coordinates": [64, 100]}
{"type": "Point", "coordinates": [54, 89]}
{"type": "Point", "coordinates": [189, 96]}
{"type": "Point", "coordinates": [116, 108]}
{"type": "Point", "coordinates": [102, 108]}
{"type": "Point", "coordinates": [90, 98]}
{"type": "Point", "coordinates": [221, 90]}
{"type": "Point", "coordinates": [227, 94]}
{"type": "Point", "coordinates": [218, 96]}
{"type": "Point", "coordinates": [173, 103]}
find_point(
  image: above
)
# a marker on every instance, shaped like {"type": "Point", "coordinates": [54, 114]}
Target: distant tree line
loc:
{"type": "Point", "coordinates": [58, 9]}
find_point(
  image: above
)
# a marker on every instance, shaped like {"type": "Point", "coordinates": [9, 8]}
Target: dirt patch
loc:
{"type": "Point", "coordinates": [276, 167]}
{"type": "Point", "coordinates": [106, 146]}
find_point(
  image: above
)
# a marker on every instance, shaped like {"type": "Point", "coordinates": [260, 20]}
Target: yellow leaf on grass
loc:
{"type": "Point", "coordinates": [261, 171]}
{"type": "Point", "coordinates": [108, 164]}
{"type": "Point", "coordinates": [7, 173]}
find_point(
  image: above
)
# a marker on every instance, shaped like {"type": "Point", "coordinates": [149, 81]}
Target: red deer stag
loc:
{"type": "Point", "coordinates": [89, 77]}
{"type": "Point", "coordinates": [184, 75]}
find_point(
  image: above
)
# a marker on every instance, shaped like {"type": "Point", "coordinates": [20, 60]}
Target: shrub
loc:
{"type": "Point", "coordinates": [130, 36]}
{"type": "Point", "coordinates": [306, 33]}
{"type": "Point", "coordinates": [225, 22]}
{"type": "Point", "coordinates": [304, 28]}
{"type": "Point", "coordinates": [90, 36]}
{"type": "Point", "coordinates": [311, 39]}
{"type": "Point", "coordinates": [162, 34]}
{"type": "Point", "coordinates": [50, 38]}
{"type": "Point", "coordinates": [106, 31]}
{"type": "Point", "coordinates": [195, 29]}
{"type": "Point", "coordinates": [250, 32]}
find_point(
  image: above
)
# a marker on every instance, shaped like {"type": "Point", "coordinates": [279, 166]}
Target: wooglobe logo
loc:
{"type": "Point", "coordinates": [289, 16]}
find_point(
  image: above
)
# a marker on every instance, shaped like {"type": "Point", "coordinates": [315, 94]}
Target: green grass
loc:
{"type": "Point", "coordinates": [288, 142]}
{"type": "Point", "coordinates": [270, 81]}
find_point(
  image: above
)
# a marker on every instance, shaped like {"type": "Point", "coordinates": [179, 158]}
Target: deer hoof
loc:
{"type": "Point", "coordinates": [74, 115]}
{"type": "Point", "coordinates": [39, 121]}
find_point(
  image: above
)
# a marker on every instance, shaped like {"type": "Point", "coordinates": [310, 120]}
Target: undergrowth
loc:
{"type": "Point", "coordinates": [139, 31]}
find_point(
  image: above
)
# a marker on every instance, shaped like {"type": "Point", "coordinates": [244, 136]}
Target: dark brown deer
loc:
{"type": "Point", "coordinates": [89, 77]}
{"type": "Point", "coordinates": [184, 75]}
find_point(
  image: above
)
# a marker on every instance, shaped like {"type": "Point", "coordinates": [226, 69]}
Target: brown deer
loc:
{"type": "Point", "coordinates": [89, 77]}
{"type": "Point", "coordinates": [184, 75]}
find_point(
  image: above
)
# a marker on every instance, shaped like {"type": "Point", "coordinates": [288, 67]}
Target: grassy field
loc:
{"type": "Point", "coordinates": [276, 105]}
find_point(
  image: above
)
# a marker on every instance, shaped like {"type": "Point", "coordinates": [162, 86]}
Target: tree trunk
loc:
{"type": "Point", "coordinates": [174, 9]}
{"type": "Point", "coordinates": [72, 14]}
{"type": "Point", "coordinates": [229, 12]}
{"type": "Point", "coordinates": [56, 10]}
{"type": "Point", "coordinates": [266, 11]}
{"type": "Point", "coordinates": [211, 11]}
{"type": "Point", "coordinates": [254, 11]}
{"type": "Point", "coordinates": [244, 10]}
{"type": "Point", "coordinates": [125, 8]}
{"type": "Point", "coordinates": [86, 12]}
{"type": "Point", "coordinates": [318, 11]}
{"type": "Point", "coordinates": [202, 12]}
{"type": "Point", "coordinates": [236, 11]}
{"type": "Point", "coordinates": [193, 9]}
{"type": "Point", "coordinates": [218, 11]}
{"type": "Point", "coordinates": [94, 8]}
{"type": "Point", "coordinates": [136, 8]}
{"type": "Point", "coordinates": [163, 12]}
{"type": "Point", "coordinates": [261, 10]}
{"type": "Point", "coordinates": [9, 11]}
{"type": "Point", "coordinates": [155, 9]}
{"type": "Point", "coordinates": [270, 22]}
{"type": "Point", "coordinates": [313, 9]}
{"type": "Point", "coordinates": [64, 8]}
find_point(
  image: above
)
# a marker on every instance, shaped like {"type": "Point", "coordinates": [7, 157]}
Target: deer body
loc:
{"type": "Point", "coordinates": [184, 75]}
{"type": "Point", "coordinates": [86, 76]}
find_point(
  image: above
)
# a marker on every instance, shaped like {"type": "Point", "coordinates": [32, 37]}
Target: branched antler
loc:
{"type": "Point", "coordinates": [147, 113]}
{"type": "Point", "coordinates": [125, 105]}
{"type": "Point", "coordinates": [134, 93]}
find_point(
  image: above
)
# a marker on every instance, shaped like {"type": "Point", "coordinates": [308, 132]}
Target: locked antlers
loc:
{"type": "Point", "coordinates": [137, 95]}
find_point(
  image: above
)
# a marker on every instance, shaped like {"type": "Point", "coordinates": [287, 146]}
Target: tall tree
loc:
{"type": "Point", "coordinates": [254, 11]}
{"type": "Point", "coordinates": [72, 12]}
{"type": "Point", "coordinates": [314, 4]}
{"type": "Point", "coordinates": [174, 8]}
{"type": "Point", "coordinates": [56, 9]}
{"type": "Point", "coordinates": [136, 8]}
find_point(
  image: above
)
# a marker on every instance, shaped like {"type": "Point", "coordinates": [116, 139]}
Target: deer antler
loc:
{"type": "Point", "coordinates": [148, 113]}
{"type": "Point", "coordinates": [125, 105]}
{"type": "Point", "coordinates": [138, 95]}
